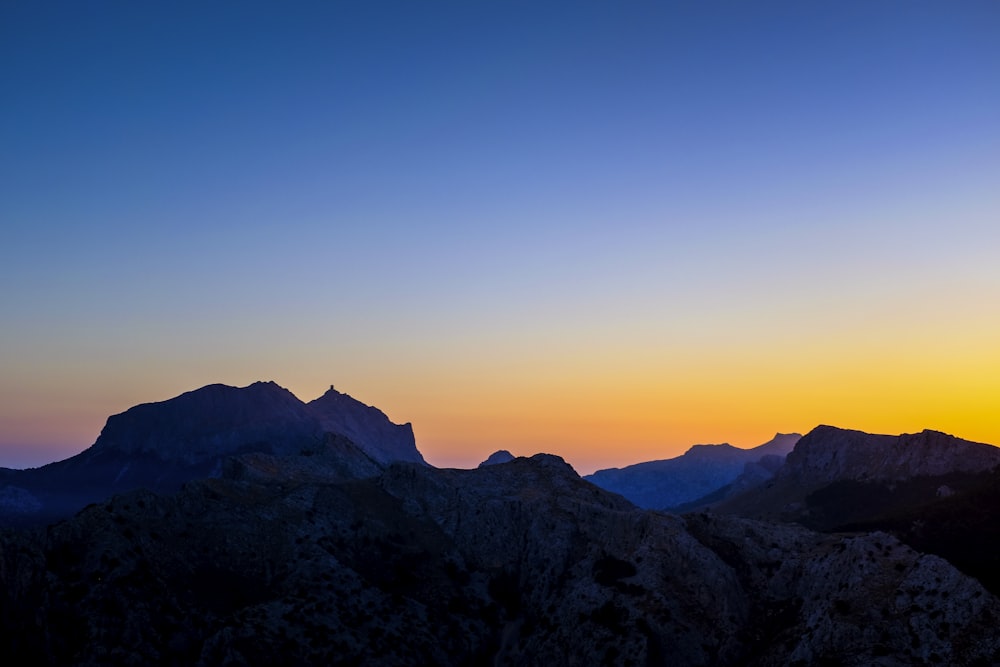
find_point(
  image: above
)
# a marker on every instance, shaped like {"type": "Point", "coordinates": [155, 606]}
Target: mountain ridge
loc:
{"type": "Point", "coordinates": [162, 445]}
{"type": "Point", "coordinates": [304, 547]}
{"type": "Point", "coordinates": [835, 476]}
{"type": "Point", "coordinates": [701, 470]}
{"type": "Point", "coordinates": [829, 453]}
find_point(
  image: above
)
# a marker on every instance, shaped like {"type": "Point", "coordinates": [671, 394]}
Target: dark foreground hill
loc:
{"type": "Point", "coordinates": [937, 493]}
{"type": "Point", "coordinates": [300, 560]}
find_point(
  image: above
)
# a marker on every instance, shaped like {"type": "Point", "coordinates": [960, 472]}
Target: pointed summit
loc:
{"type": "Point", "coordinates": [366, 426]}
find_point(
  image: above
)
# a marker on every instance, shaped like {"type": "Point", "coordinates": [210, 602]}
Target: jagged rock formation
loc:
{"type": "Point", "coordinates": [521, 563]}
{"type": "Point", "coordinates": [366, 426]}
{"type": "Point", "coordinates": [499, 456]}
{"type": "Point", "coordinates": [160, 446]}
{"type": "Point", "coordinates": [700, 471]}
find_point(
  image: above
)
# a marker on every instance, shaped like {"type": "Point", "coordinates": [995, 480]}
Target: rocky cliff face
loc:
{"type": "Point", "coordinates": [366, 426]}
{"type": "Point", "coordinates": [521, 563]}
{"type": "Point", "coordinates": [828, 454]}
{"type": "Point", "coordinates": [700, 471]}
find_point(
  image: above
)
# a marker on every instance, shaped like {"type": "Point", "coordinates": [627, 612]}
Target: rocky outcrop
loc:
{"type": "Point", "coordinates": [828, 454]}
{"type": "Point", "coordinates": [700, 471]}
{"type": "Point", "coordinates": [497, 457]}
{"type": "Point", "coordinates": [516, 564]}
{"type": "Point", "coordinates": [834, 476]}
{"type": "Point", "coordinates": [365, 426]}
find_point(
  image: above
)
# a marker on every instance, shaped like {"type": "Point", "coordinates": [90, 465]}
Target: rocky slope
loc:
{"type": "Point", "coordinates": [961, 525]}
{"type": "Point", "coordinates": [937, 493]}
{"type": "Point", "coordinates": [292, 560]}
{"type": "Point", "coordinates": [755, 474]}
{"type": "Point", "coordinates": [698, 472]}
{"type": "Point", "coordinates": [160, 446]}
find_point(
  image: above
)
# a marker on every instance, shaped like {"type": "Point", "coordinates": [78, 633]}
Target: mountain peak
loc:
{"type": "Point", "coordinates": [829, 453]}
{"type": "Point", "coordinates": [213, 420]}
{"type": "Point", "coordinates": [497, 457]}
{"type": "Point", "coordinates": [163, 445]}
{"type": "Point", "coordinates": [366, 426]}
{"type": "Point", "coordinates": [701, 470]}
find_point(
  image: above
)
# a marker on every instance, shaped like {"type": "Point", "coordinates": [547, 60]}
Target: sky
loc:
{"type": "Point", "coordinates": [605, 230]}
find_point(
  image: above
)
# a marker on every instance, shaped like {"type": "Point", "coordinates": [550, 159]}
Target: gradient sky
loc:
{"type": "Point", "coordinates": [607, 230]}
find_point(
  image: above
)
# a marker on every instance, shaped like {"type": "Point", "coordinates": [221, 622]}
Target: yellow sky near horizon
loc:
{"type": "Point", "coordinates": [603, 396]}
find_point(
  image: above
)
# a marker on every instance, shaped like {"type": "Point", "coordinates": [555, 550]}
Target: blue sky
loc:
{"type": "Point", "coordinates": [424, 202]}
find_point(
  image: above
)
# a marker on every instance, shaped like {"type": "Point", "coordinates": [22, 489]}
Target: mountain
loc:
{"type": "Point", "coordinates": [699, 471]}
{"type": "Point", "coordinates": [835, 476]}
{"type": "Point", "coordinates": [829, 454]}
{"type": "Point", "coordinates": [215, 420]}
{"type": "Point", "coordinates": [366, 426]}
{"type": "Point", "coordinates": [520, 563]}
{"type": "Point", "coordinates": [936, 493]}
{"type": "Point", "coordinates": [499, 456]}
{"type": "Point", "coordinates": [160, 446]}
{"type": "Point", "coordinates": [755, 474]}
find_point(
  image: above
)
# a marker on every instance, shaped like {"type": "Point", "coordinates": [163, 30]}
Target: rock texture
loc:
{"type": "Point", "coordinates": [521, 563]}
{"type": "Point", "coordinates": [963, 526]}
{"type": "Point", "coordinates": [700, 471]}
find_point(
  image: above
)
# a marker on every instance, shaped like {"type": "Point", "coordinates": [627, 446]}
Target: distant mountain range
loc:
{"type": "Point", "coordinates": [699, 471]}
{"type": "Point", "coordinates": [248, 527]}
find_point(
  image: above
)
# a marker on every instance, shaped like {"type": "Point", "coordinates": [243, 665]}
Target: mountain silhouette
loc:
{"type": "Point", "coordinates": [160, 446]}
{"type": "Point", "coordinates": [701, 470]}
